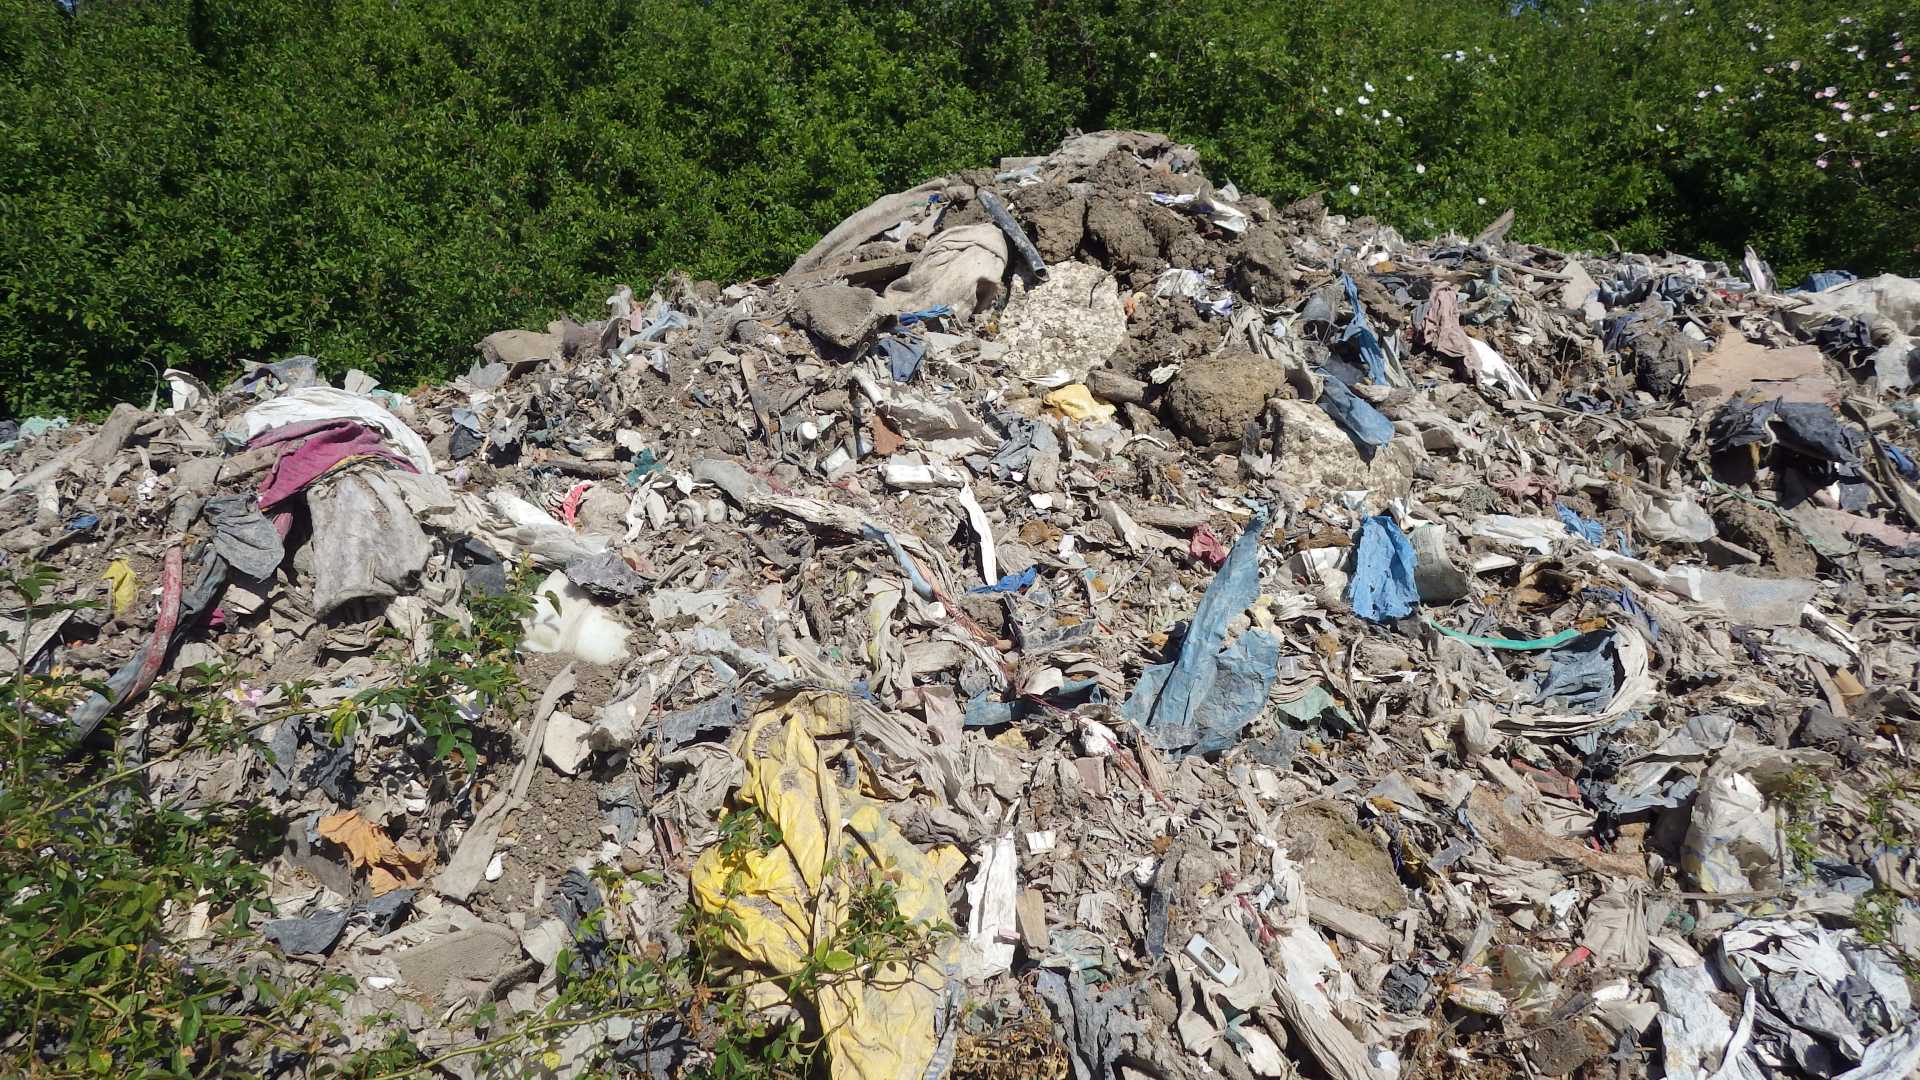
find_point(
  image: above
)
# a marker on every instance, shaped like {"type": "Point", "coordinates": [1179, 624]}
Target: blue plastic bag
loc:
{"type": "Point", "coordinates": [1360, 331]}
{"type": "Point", "coordinates": [1364, 424]}
{"type": "Point", "coordinates": [1382, 586]}
{"type": "Point", "coordinates": [1201, 701]}
{"type": "Point", "coordinates": [1011, 582]}
{"type": "Point", "coordinates": [1585, 528]}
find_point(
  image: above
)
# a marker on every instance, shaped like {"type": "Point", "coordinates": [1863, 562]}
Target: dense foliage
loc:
{"type": "Point", "coordinates": [380, 182]}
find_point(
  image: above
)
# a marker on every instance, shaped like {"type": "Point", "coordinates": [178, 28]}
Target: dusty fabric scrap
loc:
{"type": "Point", "coordinates": [366, 544]}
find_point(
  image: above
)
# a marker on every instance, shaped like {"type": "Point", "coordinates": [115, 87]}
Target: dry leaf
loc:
{"type": "Point", "coordinates": [388, 865]}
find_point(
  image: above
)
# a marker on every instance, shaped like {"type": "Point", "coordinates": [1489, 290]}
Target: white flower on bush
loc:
{"type": "Point", "coordinates": [1353, 189]}
{"type": "Point", "coordinates": [1364, 99]}
{"type": "Point", "coordinates": [1819, 136]}
{"type": "Point", "coordinates": [1421, 169]}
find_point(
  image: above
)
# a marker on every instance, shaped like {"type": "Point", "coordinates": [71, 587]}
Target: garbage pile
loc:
{"type": "Point", "coordinates": [1246, 642]}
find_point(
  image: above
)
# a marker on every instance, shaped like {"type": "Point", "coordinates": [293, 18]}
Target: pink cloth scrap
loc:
{"type": "Point", "coordinates": [1441, 329]}
{"type": "Point", "coordinates": [315, 448]}
{"type": "Point", "coordinates": [1206, 547]}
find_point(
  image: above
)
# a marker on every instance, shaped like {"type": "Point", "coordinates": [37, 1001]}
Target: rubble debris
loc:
{"type": "Point", "coordinates": [1233, 639]}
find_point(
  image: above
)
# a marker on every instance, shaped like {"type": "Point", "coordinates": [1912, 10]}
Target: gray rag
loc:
{"type": "Point", "coordinates": [244, 537]}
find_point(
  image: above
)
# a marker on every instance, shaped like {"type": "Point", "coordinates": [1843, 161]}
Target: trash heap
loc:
{"type": "Point", "coordinates": [1249, 643]}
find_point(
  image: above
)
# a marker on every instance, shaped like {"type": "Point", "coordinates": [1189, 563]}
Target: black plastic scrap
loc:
{"type": "Point", "coordinates": [577, 898]}
{"type": "Point", "coordinates": [606, 576]}
{"type": "Point", "coordinates": [682, 727]}
{"type": "Point", "coordinates": [311, 935]}
{"type": "Point", "coordinates": [1016, 235]}
{"type": "Point", "coordinates": [315, 934]}
{"type": "Point", "coordinates": [1812, 430]}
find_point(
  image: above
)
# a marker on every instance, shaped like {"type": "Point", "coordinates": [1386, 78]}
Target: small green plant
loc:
{"type": "Point", "coordinates": [1875, 916]}
{"type": "Point", "coordinates": [468, 671]}
{"type": "Point", "coordinates": [1801, 797]}
{"type": "Point", "coordinates": [720, 1007]}
{"type": "Point", "coordinates": [1895, 786]}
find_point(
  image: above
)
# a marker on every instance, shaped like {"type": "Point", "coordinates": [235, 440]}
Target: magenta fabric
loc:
{"type": "Point", "coordinates": [312, 449]}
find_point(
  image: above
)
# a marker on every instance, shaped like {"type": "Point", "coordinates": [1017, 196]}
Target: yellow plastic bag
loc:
{"type": "Point", "coordinates": [786, 902]}
{"type": "Point", "coordinates": [122, 584]}
{"type": "Point", "coordinates": [1076, 401]}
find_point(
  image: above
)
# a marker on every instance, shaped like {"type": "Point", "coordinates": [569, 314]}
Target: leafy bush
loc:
{"type": "Point", "coordinates": [382, 182]}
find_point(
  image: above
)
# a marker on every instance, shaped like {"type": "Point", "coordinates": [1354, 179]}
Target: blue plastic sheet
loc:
{"type": "Point", "coordinates": [1360, 332]}
{"type": "Point", "coordinates": [1011, 582]}
{"type": "Point", "coordinates": [1631, 604]}
{"type": "Point", "coordinates": [1364, 424]}
{"type": "Point", "coordinates": [939, 311]}
{"type": "Point", "coordinates": [1585, 528]}
{"type": "Point", "coordinates": [1201, 701]}
{"type": "Point", "coordinates": [1383, 585]}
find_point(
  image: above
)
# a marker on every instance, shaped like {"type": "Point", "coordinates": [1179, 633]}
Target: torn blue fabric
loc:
{"type": "Point", "coordinates": [1902, 461]}
{"type": "Point", "coordinates": [1631, 604]}
{"type": "Point", "coordinates": [1585, 528]}
{"type": "Point", "coordinates": [1822, 280]}
{"type": "Point", "coordinates": [1363, 423]}
{"type": "Point", "coordinates": [904, 354]}
{"type": "Point", "coordinates": [1010, 583]}
{"type": "Point", "coordinates": [938, 311]}
{"type": "Point", "coordinates": [1202, 700]}
{"type": "Point", "coordinates": [1383, 585]}
{"type": "Point", "coordinates": [1360, 332]}
{"type": "Point", "coordinates": [1581, 674]}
